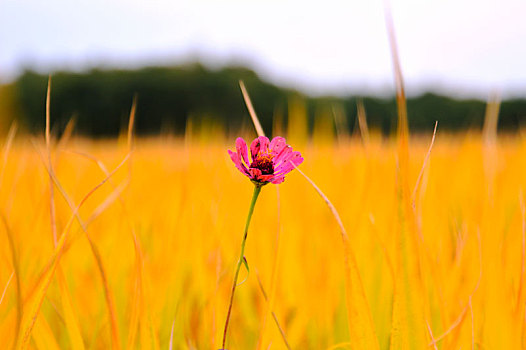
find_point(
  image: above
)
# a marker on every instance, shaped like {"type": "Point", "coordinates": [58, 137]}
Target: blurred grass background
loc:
{"type": "Point", "coordinates": [185, 203]}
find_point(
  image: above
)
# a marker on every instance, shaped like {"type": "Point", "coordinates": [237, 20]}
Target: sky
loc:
{"type": "Point", "coordinates": [464, 47]}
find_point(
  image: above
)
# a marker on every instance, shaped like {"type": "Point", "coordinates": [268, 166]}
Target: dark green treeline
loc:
{"type": "Point", "coordinates": [100, 101]}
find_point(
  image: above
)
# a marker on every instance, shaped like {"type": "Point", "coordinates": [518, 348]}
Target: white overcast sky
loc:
{"type": "Point", "coordinates": [468, 47]}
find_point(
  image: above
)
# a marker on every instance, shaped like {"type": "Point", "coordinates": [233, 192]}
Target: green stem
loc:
{"type": "Point", "coordinates": [257, 189]}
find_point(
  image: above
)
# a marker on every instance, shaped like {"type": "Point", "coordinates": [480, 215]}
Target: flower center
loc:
{"type": "Point", "coordinates": [263, 162]}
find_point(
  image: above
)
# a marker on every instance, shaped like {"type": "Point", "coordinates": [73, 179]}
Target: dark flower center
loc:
{"type": "Point", "coordinates": [263, 162]}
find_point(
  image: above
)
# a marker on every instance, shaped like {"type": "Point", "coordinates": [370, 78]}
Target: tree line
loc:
{"type": "Point", "coordinates": [100, 102]}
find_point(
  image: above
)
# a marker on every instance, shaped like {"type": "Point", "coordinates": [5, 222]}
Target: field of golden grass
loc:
{"type": "Point", "coordinates": [147, 260]}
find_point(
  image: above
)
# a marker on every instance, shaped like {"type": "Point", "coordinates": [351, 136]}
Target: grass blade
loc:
{"type": "Point", "coordinates": [421, 174]}
{"type": "Point", "coordinates": [251, 110]}
{"type": "Point", "coordinates": [70, 320]}
{"type": "Point", "coordinates": [6, 286]}
{"type": "Point", "coordinates": [408, 322]}
{"type": "Point", "coordinates": [170, 346]}
{"type": "Point", "coordinates": [7, 147]}
{"type": "Point", "coordinates": [52, 210]}
{"type": "Point", "coordinates": [43, 336]}
{"type": "Point", "coordinates": [283, 336]}
{"type": "Point", "coordinates": [362, 123]}
{"type": "Point", "coordinates": [520, 305]}
{"type": "Point", "coordinates": [16, 271]}
{"type": "Point", "coordinates": [36, 301]}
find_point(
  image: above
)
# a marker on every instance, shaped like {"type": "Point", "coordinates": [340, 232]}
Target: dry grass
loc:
{"type": "Point", "coordinates": [185, 205]}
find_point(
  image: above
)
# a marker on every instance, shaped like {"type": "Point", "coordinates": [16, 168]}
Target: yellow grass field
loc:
{"type": "Point", "coordinates": [441, 266]}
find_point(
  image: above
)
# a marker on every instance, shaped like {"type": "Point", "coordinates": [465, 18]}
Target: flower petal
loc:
{"type": "Point", "coordinates": [278, 179]}
{"type": "Point", "coordinates": [283, 158]}
{"type": "Point", "coordinates": [259, 145]}
{"type": "Point", "coordinates": [278, 159]}
{"type": "Point", "coordinates": [242, 150]}
{"type": "Point", "coordinates": [277, 144]}
{"type": "Point", "coordinates": [237, 161]}
{"type": "Point", "coordinates": [287, 165]}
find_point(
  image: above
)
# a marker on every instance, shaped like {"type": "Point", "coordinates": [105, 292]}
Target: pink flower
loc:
{"type": "Point", "coordinates": [271, 160]}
